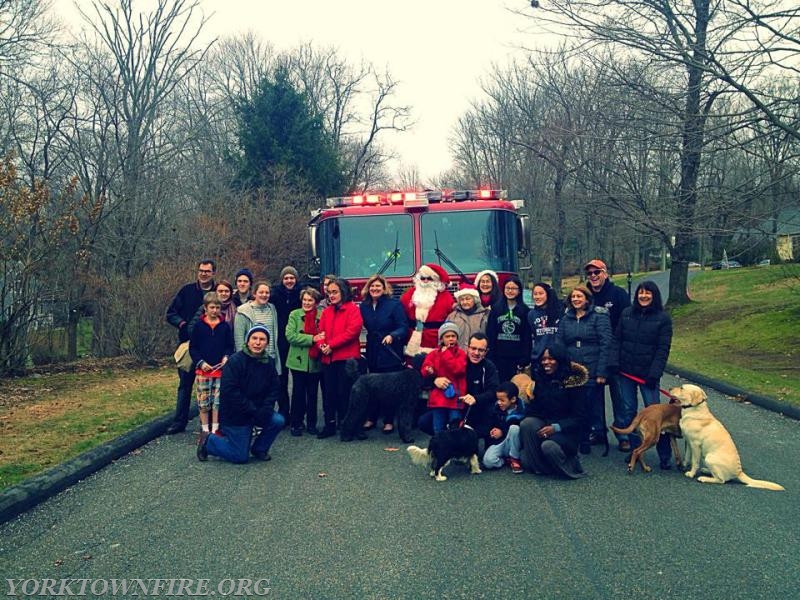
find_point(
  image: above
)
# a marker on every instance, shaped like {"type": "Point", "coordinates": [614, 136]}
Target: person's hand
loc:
{"type": "Point", "coordinates": [326, 349]}
{"type": "Point", "coordinates": [495, 433]}
{"type": "Point", "coordinates": [546, 432]}
{"type": "Point", "coordinates": [441, 382]}
{"type": "Point", "coordinates": [319, 337]}
{"type": "Point", "coordinates": [651, 383]}
{"type": "Point", "coordinates": [469, 399]}
{"type": "Point", "coordinates": [601, 380]}
{"type": "Point", "coordinates": [206, 367]}
{"type": "Point", "coordinates": [387, 340]}
{"type": "Point", "coordinates": [429, 371]}
{"type": "Point", "coordinates": [224, 361]}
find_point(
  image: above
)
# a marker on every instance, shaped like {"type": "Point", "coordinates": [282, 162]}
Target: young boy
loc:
{"type": "Point", "coordinates": [448, 365]}
{"type": "Point", "coordinates": [504, 429]}
{"type": "Point", "coordinates": [210, 345]}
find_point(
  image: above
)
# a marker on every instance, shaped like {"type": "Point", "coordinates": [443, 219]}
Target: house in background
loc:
{"type": "Point", "coordinates": [784, 231]}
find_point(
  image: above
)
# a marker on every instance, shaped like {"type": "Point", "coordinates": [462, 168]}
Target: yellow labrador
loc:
{"type": "Point", "coordinates": [708, 441]}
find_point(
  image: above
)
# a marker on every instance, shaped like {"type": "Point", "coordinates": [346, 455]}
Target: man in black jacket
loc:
{"type": "Point", "coordinates": [615, 299]}
{"type": "Point", "coordinates": [249, 390]}
{"type": "Point", "coordinates": [181, 311]}
{"type": "Point", "coordinates": [285, 297]}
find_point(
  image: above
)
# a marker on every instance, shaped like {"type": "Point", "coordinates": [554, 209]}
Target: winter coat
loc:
{"type": "Point", "coordinates": [588, 339]}
{"type": "Point", "coordinates": [469, 323]}
{"type": "Point", "coordinates": [250, 387]}
{"type": "Point", "coordinates": [503, 419]}
{"type": "Point", "coordinates": [385, 318]}
{"type": "Point", "coordinates": [250, 314]}
{"type": "Point", "coordinates": [613, 298]}
{"type": "Point", "coordinates": [285, 301]}
{"type": "Point", "coordinates": [300, 343]}
{"type": "Point", "coordinates": [450, 363]}
{"type": "Point", "coordinates": [542, 330]}
{"type": "Point", "coordinates": [509, 332]}
{"type": "Point", "coordinates": [642, 341]}
{"type": "Point", "coordinates": [210, 344]}
{"type": "Point", "coordinates": [559, 399]}
{"type": "Point", "coordinates": [341, 324]}
{"type": "Point", "coordinates": [430, 327]}
{"type": "Point", "coordinates": [184, 306]}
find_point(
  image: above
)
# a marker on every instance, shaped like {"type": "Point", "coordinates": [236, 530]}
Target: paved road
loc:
{"type": "Point", "coordinates": [376, 526]}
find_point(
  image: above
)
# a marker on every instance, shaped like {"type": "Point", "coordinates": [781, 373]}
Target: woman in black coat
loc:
{"type": "Point", "coordinates": [640, 349]}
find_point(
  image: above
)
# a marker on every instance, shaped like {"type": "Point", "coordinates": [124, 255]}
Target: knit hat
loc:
{"type": "Point", "coordinates": [254, 329]}
{"type": "Point", "coordinates": [486, 272]}
{"type": "Point", "coordinates": [447, 326]}
{"type": "Point", "coordinates": [467, 289]}
{"type": "Point", "coordinates": [246, 272]}
{"type": "Point", "coordinates": [289, 271]}
{"type": "Point", "coordinates": [597, 264]}
{"type": "Point", "coordinates": [435, 271]}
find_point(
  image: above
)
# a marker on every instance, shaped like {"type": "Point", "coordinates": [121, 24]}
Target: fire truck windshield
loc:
{"type": "Point", "coordinates": [473, 239]}
{"type": "Point", "coordinates": [356, 247]}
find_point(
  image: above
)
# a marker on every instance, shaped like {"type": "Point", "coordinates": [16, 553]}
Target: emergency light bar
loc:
{"type": "Point", "coordinates": [414, 199]}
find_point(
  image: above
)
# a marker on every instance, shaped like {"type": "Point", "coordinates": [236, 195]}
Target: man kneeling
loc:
{"type": "Point", "coordinates": [249, 390]}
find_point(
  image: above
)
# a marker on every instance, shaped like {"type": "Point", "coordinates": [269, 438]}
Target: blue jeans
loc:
{"type": "Point", "coordinates": [629, 404]}
{"type": "Point", "coordinates": [494, 455]}
{"type": "Point", "coordinates": [234, 445]}
{"type": "Point", "coordinates": [443, 416]}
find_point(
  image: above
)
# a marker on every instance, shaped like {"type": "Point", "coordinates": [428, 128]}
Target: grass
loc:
{"type": "Point", "coordinates": [48, 419]}
{"type": "Point", "coordinates": [743, 327]}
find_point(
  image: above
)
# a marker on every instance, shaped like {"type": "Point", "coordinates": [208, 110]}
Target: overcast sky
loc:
{"type": "Point", "coordinates": [437, 49]}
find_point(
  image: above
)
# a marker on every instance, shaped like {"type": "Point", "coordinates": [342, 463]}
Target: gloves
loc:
{"type": "Point", "coordinates": [651, 383]}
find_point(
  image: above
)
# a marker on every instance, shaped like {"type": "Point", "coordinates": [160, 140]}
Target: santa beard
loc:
{"type": "Point", "coordinates": [423, 299]}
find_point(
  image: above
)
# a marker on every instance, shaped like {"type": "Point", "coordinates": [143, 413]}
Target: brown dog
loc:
{"type": "Point", "coordinates": [651, 421]}
{"type": "Point", "coordinates": [525, 386]}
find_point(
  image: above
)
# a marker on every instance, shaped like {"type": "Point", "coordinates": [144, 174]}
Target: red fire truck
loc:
{"type": "Point", "coordinates": [394, 233]}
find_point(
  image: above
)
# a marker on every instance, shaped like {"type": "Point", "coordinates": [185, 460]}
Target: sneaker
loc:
{"type": "Point", "coordinates": [624, 446]}
{"type": "Point", "coordinates": [516, 466]}
{"type": "Point", "coordinates": [202, 451]}
{"type": "Point", "coordinates": [297, 431]}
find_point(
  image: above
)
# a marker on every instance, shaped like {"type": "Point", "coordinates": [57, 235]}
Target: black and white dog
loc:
{"type": "Point", "coordinates": [454, 443]}
{"type": "Point", "coordinates": [399, 388]}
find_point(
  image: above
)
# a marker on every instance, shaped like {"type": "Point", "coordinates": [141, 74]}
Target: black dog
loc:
{"type": "Point", "coordinates": [399, 388]}
{"type": "Point", "coordinates": [454, 443]}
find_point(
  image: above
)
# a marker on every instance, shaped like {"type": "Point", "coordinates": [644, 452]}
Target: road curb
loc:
{"type": "Point", "coordinates": [21, 497]}
{"type": "Point", "coordinates": [778, 406]}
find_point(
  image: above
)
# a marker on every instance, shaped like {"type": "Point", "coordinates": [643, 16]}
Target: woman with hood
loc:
{"type": "Point", "coordinates": [585, 331]}
{"type": "Point", "coordinates": [553, 423]}
{"type": "Point", "coordinates": [640, 349]}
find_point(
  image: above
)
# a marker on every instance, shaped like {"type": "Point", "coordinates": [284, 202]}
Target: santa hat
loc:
{"type": "Point", "coordinates": [486, 272]}
{"type": "Point", "coordinates": [467, 289]}
{"type": "Point", "coordinates": [435, 271]}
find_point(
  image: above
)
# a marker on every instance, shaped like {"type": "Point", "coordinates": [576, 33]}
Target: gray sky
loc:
{"type": "Point", "coordinates": [437, 49]}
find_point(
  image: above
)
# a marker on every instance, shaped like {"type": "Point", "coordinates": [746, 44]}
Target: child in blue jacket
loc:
{"type": "Point", "coordinates": [504, 429]}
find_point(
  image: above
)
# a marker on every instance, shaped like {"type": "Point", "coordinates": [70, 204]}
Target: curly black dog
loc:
{"type": "Point", "coordinates": [454, 443]}
{"type": "Point", "coordinates": [401, 388]}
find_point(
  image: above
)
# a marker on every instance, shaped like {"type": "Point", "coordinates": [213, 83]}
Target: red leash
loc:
{"type": "Point", "coordinates": [640, 381]}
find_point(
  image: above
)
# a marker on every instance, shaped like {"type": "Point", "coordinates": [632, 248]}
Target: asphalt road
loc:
{"type": "Point", "coordinates": [376, 526]}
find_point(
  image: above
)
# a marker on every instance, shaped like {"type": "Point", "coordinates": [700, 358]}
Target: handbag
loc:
{"type": "Point", "coordinates": [182, 357]}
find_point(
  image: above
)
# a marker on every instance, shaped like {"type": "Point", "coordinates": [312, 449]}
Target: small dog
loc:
{"type": "Point", "coordinates": [454, 443]}
{"type": "Point", "coordinates": [525, 386]}
{"type": "Point", "coordinates": [651, 422]}
{"type": "Point", "coordinates": [708, 441]}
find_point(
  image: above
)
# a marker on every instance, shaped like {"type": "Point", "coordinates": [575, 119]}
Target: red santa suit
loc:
{"type": "Point", "coordinates": [426, 313]}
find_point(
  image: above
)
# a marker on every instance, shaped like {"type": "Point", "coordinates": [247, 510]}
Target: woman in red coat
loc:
{"type": "Point", "coordinates": [337, 340]}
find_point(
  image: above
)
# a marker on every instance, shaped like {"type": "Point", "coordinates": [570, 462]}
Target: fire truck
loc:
{"type": "Point", "coordinates": [464, 232]}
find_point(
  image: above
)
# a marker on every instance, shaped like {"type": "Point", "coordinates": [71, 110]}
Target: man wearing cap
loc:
{"type": "Point", "coordinates": [427, 305]}
{"type": "Point", "coordinates": [285, 297]}
{"type": "Point", "coordinates": [469, 315]}
{"type": "Point", "coordinates": [181, 311]}
{"type": "Point", "coordinates": [249, 390]}
{"type": "Point", "coordinates": [614, 299]}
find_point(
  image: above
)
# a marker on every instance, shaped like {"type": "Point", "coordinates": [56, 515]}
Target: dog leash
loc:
{"type": "Point", "coordinates": [640, 381]}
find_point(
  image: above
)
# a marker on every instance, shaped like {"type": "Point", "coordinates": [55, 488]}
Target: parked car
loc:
{"type": "Point", "coordinates": [726, 264]}
{"type": "Point", "coordinates": [764, 263]}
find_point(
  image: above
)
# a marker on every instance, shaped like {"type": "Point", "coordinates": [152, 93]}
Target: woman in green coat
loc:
{"type": "Point", "coordinates": [303, 361]}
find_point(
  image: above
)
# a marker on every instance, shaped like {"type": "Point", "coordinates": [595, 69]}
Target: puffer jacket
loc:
{"type": "Point", "coordinates": [341, 324]}
{"type": "Point", "coordinates": [588, 339]}
{"type": "Point", "coordinates": [642, 342]}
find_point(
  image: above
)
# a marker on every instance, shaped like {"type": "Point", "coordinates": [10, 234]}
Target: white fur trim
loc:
{"type": "Point", "coordinates": [413, 346]}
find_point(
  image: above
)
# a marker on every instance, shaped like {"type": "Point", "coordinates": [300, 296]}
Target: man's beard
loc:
{"type": "Point", "coordinates": [423, 299]}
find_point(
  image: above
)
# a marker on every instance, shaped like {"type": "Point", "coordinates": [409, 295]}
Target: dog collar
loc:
{"type": "Point", "coordinates": [693, 405]}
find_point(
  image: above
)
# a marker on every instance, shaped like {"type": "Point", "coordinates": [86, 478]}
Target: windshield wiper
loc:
{"type": "Point", "coordinates": [446, 260]}
{"type": "Point", "coordinates": [392, 258]}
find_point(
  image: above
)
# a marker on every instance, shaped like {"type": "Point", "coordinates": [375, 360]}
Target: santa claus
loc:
{"type": "Point", "coordinates": [427, 305]}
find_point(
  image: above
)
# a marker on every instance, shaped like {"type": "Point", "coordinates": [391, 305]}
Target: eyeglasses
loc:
{"type": "Point", "coordinates": [205, 271]}
{"type": "Point", "coordinates": [512, 288]}
{"type": "Point", "coordinates": [593, 273]}
{"type": "Point", "coordinates": [426, 278]}
{"type": "Point", "coordinates": [477, 350]}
